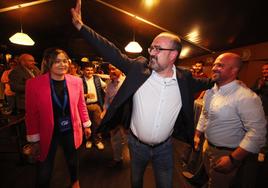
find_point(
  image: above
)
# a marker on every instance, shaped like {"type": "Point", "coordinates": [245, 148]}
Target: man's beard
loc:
{"type": "Point", "coordinates": [153, 64]}
{"type": "Point", "coordinates": [215, 76]}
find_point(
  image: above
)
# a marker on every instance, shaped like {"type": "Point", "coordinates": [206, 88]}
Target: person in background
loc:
{"type": "Point", "coordinates": [117, 135]}
{"type": "Point", "coordinates": [198, 72]}
{"type": "Point", "coordinates": [73, 69]}
{"type": "Point", "coordinates": [261, 87]}
{"type": "Point", "coordinates": [234, 125]}
{"type": "Point", "coordinates": [25, 70]}
{"type": "Point", "coordinates": [155, 101]}
{"type": "Point", "coordinates": [94, 95]}
{"type": "Point", "coordinates": [55, 116]}
{"type": "Point", "coordinates": [9, 94]}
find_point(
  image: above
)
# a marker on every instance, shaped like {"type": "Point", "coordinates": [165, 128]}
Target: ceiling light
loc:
{"type": "Point", "coordinates": [21, 39]}
{"type": "Point", "coordinates": [6, 9]}
{"type": "Point", "coordinates": [150, 3]}
{"type": "Point", "coordinates": [133, 46]}
{"type": "Point", "coordinates": [184, 52]}
{"type": "Point", "coordinates": [194, 35]}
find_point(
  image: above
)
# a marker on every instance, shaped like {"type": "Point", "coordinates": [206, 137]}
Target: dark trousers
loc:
{"type": "Point", "coordinates": [44, 168]}
{"type": "Point", "coordinates": [243, 177]}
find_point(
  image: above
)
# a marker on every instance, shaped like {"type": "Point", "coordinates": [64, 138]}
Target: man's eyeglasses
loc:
{"type": "Point", "coordinates": [158, 49]}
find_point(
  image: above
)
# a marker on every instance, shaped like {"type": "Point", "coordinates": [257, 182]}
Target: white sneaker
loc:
{"type": "Point", "coordinates": [88, 144]}
{"type": "Point", "coordinates": [100, 145]}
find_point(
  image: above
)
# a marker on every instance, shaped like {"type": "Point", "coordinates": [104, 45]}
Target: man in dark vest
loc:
{"type": "Point", "coordinates": [94, 96]}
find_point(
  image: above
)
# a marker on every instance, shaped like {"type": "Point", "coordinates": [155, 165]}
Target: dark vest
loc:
{"type": "Point", "coordinates": [99, 90]}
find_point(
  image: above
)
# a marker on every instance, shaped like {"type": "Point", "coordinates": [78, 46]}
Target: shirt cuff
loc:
{"type": "Point", "coordinates": [87, 124]}
{"type": "Point", "coordinates": [33, 138]}
{"type": "Point", "coordinates": [253, 148]}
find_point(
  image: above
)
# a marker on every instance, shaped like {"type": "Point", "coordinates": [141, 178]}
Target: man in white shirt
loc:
{"type": "Point", "coordinates": [155, 101]}
{"type": "Point", "coordinates": [233, 122]}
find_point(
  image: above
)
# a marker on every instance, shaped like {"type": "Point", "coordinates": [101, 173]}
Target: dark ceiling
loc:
{"type": "Point", "coordinates": [221, 24]}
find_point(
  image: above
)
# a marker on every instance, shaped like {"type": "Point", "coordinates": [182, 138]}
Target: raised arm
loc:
{"type": "Point", "coordinates": [105, 48]}
{"type": "Point", "coordinates": [76, 15]}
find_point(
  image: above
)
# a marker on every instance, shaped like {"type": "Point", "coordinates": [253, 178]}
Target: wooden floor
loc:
{"type": "Point", "coordinates": [94, 172]}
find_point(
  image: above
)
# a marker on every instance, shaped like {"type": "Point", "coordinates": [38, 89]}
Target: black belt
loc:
{"type": "Point", "coordinates": [150, 145]}
{"type": "Point", "coordinates": [220, 147]}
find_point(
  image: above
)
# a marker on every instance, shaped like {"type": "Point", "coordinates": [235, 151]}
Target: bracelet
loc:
{"type": "Point", "coordinates": [234, 161]}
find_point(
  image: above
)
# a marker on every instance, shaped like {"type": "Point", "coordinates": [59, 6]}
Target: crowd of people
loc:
{"type": "Point", "coordinates": [144, 101]}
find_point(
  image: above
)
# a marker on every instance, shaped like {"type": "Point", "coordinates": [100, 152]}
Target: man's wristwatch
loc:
{"type": "Point", "coordinates": [234, 161]}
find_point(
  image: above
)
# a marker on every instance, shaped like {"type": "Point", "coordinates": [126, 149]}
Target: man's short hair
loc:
{"type": "Point", "coordinates": [87, 64]}
{"type": "Point", "coordinates": [200, 62]}
{"type": "Point", "coordinates": [176, 41]}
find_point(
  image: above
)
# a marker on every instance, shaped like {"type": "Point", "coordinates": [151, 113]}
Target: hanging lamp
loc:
{"type": "Point", "coordinates": [21, 38]}
{"type": "Point", "coordinates": [133, 46]}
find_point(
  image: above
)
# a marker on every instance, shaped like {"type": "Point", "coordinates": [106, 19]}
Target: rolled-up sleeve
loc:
{"type": "Point", "coordinates": [252, 116]}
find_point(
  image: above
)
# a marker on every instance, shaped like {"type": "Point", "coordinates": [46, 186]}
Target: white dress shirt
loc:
{"type": "Point", "coordinates": [233, 116]}
{"type": "Point", "coordinates": [156, 105]}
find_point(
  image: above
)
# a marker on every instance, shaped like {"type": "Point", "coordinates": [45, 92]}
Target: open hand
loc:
{"type": "Point", "coordinates": [76, 15]}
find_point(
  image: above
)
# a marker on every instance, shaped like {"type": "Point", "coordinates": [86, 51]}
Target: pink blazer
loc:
{"type": "Point", "coordinates": [39, 111]}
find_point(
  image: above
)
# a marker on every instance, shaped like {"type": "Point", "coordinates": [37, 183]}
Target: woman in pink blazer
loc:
{"type": "Point", "coordinates": [55, 114]}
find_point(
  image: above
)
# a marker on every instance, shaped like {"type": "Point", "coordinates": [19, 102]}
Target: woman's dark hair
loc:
{"type": "Point", "coordinates": [49, 58]}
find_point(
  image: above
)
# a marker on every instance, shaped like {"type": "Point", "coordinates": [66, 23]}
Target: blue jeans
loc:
{"type": "Point", "coordinates": [162, 162]}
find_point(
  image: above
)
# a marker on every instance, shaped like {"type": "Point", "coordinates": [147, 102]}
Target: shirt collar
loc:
{"type": "Point", "coordinates": [169, 79]}
{"type": "Point", "coordinates": [225, 87]}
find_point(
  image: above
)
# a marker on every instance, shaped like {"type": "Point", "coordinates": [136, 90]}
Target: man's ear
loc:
{"type": "Point", "coordinates": [174, 55]}
{"type": "Point", "coordinates": [235, 70]}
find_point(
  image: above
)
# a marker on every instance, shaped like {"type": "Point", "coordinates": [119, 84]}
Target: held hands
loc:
{"type": "Point", "coordinates": [90, 95]}
{"type": "Point", "coordinates": [76, 15]}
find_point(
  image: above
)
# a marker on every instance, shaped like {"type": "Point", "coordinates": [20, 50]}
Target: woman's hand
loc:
{"type": "Point", "coordinates": [35, 149]}
{"type": "Point", "coordinates": [87, 132]}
